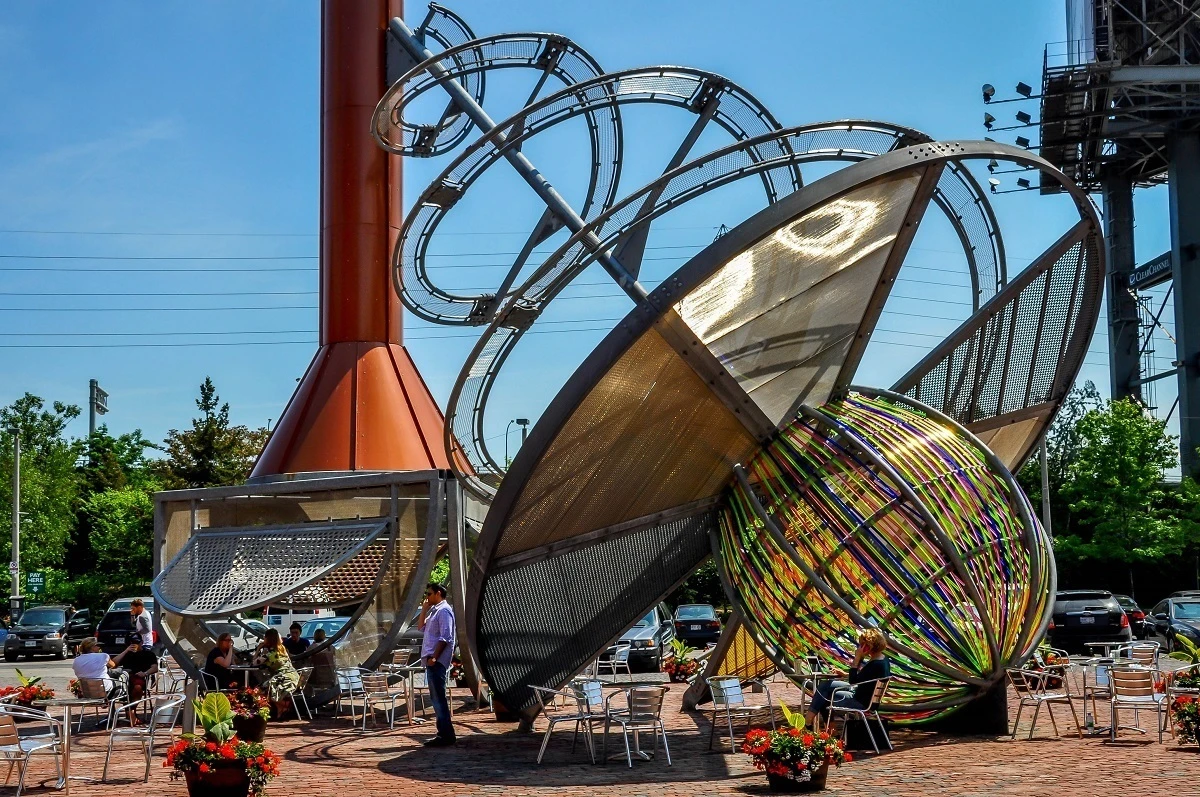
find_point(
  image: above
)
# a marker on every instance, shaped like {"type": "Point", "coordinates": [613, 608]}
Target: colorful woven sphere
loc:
{"type": "Point", "coordinates": [878, 511]}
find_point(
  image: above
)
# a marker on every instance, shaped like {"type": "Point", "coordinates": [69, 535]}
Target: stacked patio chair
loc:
{"type": "Point", "coordinates": [1033, 689]}
{"type": "Point", "coordinates": [642, 712]}
{"type": "Point", "coordinates": [1133, 687]}
{"type": "Point", "coordinates": [865, 715]}
{"type": "Point", "coordinates": [349, 681]}
{"type": "Point", "coordinates": [729, 702]}
{"type": "Point", "coordinates": [17, 750]}
{"type": "Point", "coordinates": [164, 714]}
{"type": "Point", "coordinates": [586, 710]}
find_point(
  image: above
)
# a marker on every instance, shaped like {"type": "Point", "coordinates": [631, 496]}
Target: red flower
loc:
{"type": "Point", "coordinates": [776, 768]}
{"type": "Point", "coordinates": [211, 747]}
{"type": "Point", "coordinates": [849, 757]}
{"type": "Point", "coordinates": [808, 740]}
{"type": "Point", "coordinates": [204, 767]}
{"type": "Point", "coordinates": [793, 732]}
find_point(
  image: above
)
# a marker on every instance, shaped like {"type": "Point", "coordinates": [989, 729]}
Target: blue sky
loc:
{"type": "Point", "coordinates": [159, 178]}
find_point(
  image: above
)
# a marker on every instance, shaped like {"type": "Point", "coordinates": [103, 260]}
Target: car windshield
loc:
{"type": "Point", "coordinates": [649, 621]}
{"type": "Point", "coordinates": [1096, 595]}
{"type": "Point", "coordinates": [1126, 603]}
{"type": "Point", "coordinates": [329, 626]}
{"type": "Point", "coordinates": [695, 613]}
{"type": "Point", "coordinates": [1187, 611]}
{"type": "Point", "coordinates": [43, 617]}
{"type": "Point", "coordinates": [116, 621]}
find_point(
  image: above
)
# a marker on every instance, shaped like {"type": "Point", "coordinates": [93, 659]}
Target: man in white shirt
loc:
{"type": "Point", "coordinates": [143, 623]}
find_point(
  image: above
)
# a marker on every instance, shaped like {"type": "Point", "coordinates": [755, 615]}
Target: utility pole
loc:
{"type": "Point", "coordinates": [14, 567]}
{"type": "Point", "coordinates": [1045, 488]}
{"type": "Point", "coordinates": [97, 404]}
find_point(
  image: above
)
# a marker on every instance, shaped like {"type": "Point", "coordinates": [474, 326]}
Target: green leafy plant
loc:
{"type": "Point", "coordinates": [678, 665]}
{"type": "Point", "coordinates": [1190, 651]}
{"type": "Point", "coordinates": [24, 680]}
{"type": "Point", "coordinates": [216, 715]}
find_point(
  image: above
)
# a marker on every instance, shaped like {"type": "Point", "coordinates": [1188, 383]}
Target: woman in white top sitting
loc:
{"type": "Point", "coordinates": [93, 664]}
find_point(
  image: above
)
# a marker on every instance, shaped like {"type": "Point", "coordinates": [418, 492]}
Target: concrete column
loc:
{"type": "Point", "coordinates": [1184, 183]}
{"type": "Point", "coordinates": [1123, 360]}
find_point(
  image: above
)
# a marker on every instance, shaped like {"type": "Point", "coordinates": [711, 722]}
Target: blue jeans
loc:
{"type": "Point", "coordinates": [835, 693]}
{"type": "Point", "coordinates": [436, 678]}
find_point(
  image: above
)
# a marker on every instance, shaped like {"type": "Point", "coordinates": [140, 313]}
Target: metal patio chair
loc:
{"type": "Point", "coordinates": [164, 714]}
{"type": "Point", "coordinates": [1133, 687]}
{"type": "Point", "coordinates": [1143, 653]}
{"type": "Point", "coordinates": [17, 750]}
{"type": "Point", "coordinates": [298, 698]}
{"type": "Point", "coordinates": [618, 658]}
{"type": "Point", "coordinates": [729, 700]}
{"type": "Point", "coordinates": [349, 682]}
{"type": "Point", "coordinates": [94, 689]}
{"type": "Point", "coordinates": [865, 715]}
{"type": "Point", "coordinates": [377, 692]}
{"type": "Point", "coordinates": [1033, 689]}
{"type": "Point", "coordinates": [585, 702]}
{"type": "Point", "coordinates": [642, 712]}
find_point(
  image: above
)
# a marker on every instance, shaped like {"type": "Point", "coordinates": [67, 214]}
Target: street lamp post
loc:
{"type": "Point", "coordinates": [524, 424]}
{"type": "Point", "coordinates": [14, 568]}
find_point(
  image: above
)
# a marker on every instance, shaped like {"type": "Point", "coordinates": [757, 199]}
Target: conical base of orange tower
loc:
{"type": "Point", "coordinates": [360, 407]}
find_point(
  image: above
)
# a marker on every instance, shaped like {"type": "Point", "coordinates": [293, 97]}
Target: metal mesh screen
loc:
{"type": "Point", "coordinates": [782, 314]}
{"type": "Point", "coordinates": [543, 622]}
{"type": "Point", "coordinates": [744, 659]}
{"type": "Point", "coordinates": [649, 414]}
{"type": "Point", "coordinates": [227, 571]}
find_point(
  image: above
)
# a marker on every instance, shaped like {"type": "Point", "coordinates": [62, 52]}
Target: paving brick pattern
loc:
{"type": "Point", "coordinates": [328, 758]}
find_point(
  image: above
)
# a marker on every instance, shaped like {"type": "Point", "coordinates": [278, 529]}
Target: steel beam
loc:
{"type": "Point", "coordinates": [1123, 358]}
{"type": "Point", "coordinates": [1184, 182]}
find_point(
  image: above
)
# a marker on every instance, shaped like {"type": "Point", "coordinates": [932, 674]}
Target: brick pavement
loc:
{"type": "Point", "coordinates": [327, 758]}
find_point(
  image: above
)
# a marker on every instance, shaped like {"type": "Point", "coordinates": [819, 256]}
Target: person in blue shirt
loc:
{"type": "Point", "coordinates": [437, 650]}
{"type": "Point", "coordinates": [870, 665]}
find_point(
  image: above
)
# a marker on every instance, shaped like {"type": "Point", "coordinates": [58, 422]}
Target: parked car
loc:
{"type": "Point", "coordinates": [246, 633]}
{"type": "Point", "coordinates": [697, 624]}
{"type": "Point", "coordinates": [1137, 617]}
{"type": "Point", "coordinates": [1174, 618]}
{"type": "Point", "coordinates": [1187, 593]}
{"type": "Point", "coordinates": [47, 630]}
{"type": "Point", "coordinates": [1082, 615]}
{"type": "Point", "coordinates": [649, 638]}
{"type": "Point", "coordinates": [117, 624]}
{"type": "Point", "coordinates": [330, 625]}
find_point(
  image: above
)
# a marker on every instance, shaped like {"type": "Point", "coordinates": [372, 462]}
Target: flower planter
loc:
{"type": "Point", "coordinates": [250, 729]}
{"type": "Point", "coordinates": [224, 780]}
{"type": "Point", "coordinates": [783, 783]}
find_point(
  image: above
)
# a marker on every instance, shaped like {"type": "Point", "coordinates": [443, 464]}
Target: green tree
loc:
{"type": "Point", "coordinates": [112, 463]}
{"type": "Point", "coordinates": [212, 452]}
{"type": "Point", "coordinates": [1114, 485]}
{"type": "Point", "coordinates": [703, 586]}
{"type": "Point", "coordinates": [122, 533]}
{"type": "Point", "coordinates": [48, 481]}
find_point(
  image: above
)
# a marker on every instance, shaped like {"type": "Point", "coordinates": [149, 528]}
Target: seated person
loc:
{"type": "Point", "coordinates": [324, 664]}
{"type": "Point", "coordinates": [870, 664]}
{"type": "Point", "coordinates": [295, 643]}
{"type": "Point", "coordinates": [281, 677]}
{"type": "Point", "coordinates": [139, 662]}
{"type": "Point", "coordinates": [93, 664]}
{"type": "Point", "coordinates": [219, 660]}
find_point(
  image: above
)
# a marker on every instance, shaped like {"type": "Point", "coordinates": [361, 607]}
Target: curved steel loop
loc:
{"type": "Point", "coordinates": [693, 89]}
{"type": "Point", "coordinates": [843, 140]}
{"type": "Point", "coordinates": [469, 62]}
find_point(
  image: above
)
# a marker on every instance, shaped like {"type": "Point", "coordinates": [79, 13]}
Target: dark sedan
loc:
{"type": "Point", "coordinates": [697, 624]}
{"type": "Point", "coordinates": [1087, 615]}
{"type": "Point", "coordinates": [1175, 618]}
{"type": "Point", "coordinates": [1137, 617]}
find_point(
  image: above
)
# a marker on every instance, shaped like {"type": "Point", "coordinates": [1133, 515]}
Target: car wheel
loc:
{"type": "Point", "coordinates": [10, 656]}
{"type": "Point", "coordinates": [63, 651]}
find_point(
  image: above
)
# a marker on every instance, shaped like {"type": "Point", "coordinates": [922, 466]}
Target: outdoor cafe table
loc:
{"type": "Point", "coordinates": [408, 673]}
{"type": "Point", "coordinates": [245, 670]}
{"type": "Point", "coordinates": [1106, 648]}
{"type": "Point", "coordinates": [66, 704]}
{"type": "Point", "coordinates": [637, 744]}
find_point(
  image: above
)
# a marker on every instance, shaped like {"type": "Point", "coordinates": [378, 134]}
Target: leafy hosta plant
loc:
{"type": "Point", "coordinates": [1189, 653]}
{"type": "Point", "coordinates": [219, 748]}
{"type": "Point", "coordinates": [678, 665]}
{"type": "Point", "coordinates": [216, 715]}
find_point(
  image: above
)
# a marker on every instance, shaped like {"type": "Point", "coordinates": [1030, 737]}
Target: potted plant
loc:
{"type": "Point", "coordinates": [251, 710]}
{"type": "Point", "coordinates": [75, 688]}
{"type": "Point", "coordinates": [218, 764]}
{"type": "Point", "coordinates": [678, 665]}
{"type": "Point", "coordinates": [795, 760]}
{"type": "Point", "coordinates": [31, 689]}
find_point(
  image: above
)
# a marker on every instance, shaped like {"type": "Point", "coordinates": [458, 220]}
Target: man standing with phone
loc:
{"type": "Point", "coordinates": [437, 650]}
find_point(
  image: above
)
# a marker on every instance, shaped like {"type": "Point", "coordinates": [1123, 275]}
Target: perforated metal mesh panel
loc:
{"type": "Point", "coordinates": [1022, 351]}
{"type": "Point", "coordinates": [543, 622]}
{"type": "Point", "coordinates": [649, 414]}
{"type": "Point", "coordinates": [744, 659]}
{"type": "Point", "coordinates": [782, 314]}
{"type": "Point", "coordinates": [224, 572]}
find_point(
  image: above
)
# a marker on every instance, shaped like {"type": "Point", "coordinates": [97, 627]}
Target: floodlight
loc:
{"type": "Point", "coordinates": [987, 120]}
{"type": "Point", "coordinates": [993, 165]}
{"type": "Point", "coordinates": [1022, 142]}
{"type": "Point", "coordinates": [993, 184]}
{"type": "Point", "coordinates": [1023, 182]}
{"type": "Point", "coordinates": [989, 91]}
{"type": "Point", "coordinates": [1024, 118]}
{"type": "Point", "coordinates": [1024, 89]}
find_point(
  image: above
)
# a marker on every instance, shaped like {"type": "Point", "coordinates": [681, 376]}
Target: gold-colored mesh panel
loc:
{"type": "Point", "coordinates": [1011, 442]}
{"type": "Point", "coordinates": [650, 414]}
{"type": "Point", "coordinates": [782, 314]}
{"type": "Point", "coordinates": [744, 658]}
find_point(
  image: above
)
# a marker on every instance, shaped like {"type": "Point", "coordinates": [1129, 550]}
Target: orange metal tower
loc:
{"type": "Point", "coordinates": [362, 404]}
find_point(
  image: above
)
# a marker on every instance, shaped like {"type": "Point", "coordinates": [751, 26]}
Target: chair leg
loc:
{"type": "Point", "coordinates": [628, 752]}
{"type": "Point", "coordinates": [107, 756]}
{"type": "Point", "coordinates": [575, 736]}
{"type": "Point", "coordinates": [729, 718]}
{"type": "Point", "coordinates": [886, 738]}
{"type": "Point", "coordinates": [21, 780]}
{"type": "Point", "coordinates": [1074, 716]}
{"type": "Point", "coordinates": [12, 762]}
{"type": "Point", "coordinates": [1036, 708]}
{"type": "Point", "coordinates": [1053, 724]}
{"type": "Point", "coordinates": [545, 741]}
{"type": "Point", "coordinates": [712, 728]}
{"type": "Point", "coordinates": [149, 754]}
{"type": "Point", "coordinates": [662, 730]}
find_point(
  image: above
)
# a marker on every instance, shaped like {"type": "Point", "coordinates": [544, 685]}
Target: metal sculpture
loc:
{"type": "Point", "coordinates": [633, 475]}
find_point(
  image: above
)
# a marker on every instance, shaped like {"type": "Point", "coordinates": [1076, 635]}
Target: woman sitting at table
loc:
{"type": "Point", "coordinates": [870, 665]}
{"type": "Point", "coordinates": [282, 678]}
